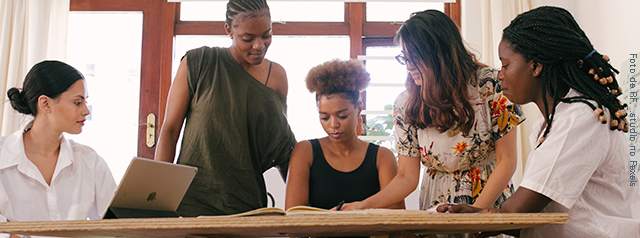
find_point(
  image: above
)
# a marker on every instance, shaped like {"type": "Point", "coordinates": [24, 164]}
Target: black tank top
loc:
{"type": "Point", "coordinates": [328, 187]}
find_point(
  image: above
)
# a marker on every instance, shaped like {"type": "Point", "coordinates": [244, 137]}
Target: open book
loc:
{"type": "Point", "coordinates": [306, 210]}
{"type": "Point", "coordinates": [270, 211]}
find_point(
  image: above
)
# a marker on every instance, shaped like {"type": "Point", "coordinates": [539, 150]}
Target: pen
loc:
{"type": "Point", "coordinates": [340, 205]}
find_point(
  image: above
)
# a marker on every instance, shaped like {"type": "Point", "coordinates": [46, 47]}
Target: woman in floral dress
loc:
{"type": "Point", "coordinates": [452, 118]}
{"type": "Point", "coordinates": [458, 166]}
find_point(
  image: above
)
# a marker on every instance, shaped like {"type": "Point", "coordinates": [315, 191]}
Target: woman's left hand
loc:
{"type": "Point", "coordinates": [457, 208]}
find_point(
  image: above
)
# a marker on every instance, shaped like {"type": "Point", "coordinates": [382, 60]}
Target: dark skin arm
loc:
{"type": "Point", "coordinates": [522, 201]}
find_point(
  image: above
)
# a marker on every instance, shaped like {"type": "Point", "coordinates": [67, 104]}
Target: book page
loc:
{"type": "Point", "coordinates": [306, 210]}
{"type": "Point", "coordinates": [370, 211]}
{"type": "Point", "coordinates": [265, 211]}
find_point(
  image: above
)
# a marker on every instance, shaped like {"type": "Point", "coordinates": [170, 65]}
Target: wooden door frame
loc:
{"type": "Point", "coordinates": [156, 56]}
{"type": "Point", "coordinates": [161, 23]}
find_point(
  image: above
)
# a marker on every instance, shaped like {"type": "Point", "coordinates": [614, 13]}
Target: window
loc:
{"type": "Point", "coordinates": [106, 48]}
{"type": "Point", "coordinates": [203, 11]}
{"type": "Point", "coordinates": [313, 32]}
{"type": "Point", "coordinates": [280, 11]}
{"type": "Point", "coordinates": [398, 11]}
{"type": "Point", "coordinates": [387, 82]}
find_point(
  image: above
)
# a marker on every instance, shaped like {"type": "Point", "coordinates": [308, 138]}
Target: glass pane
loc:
{"type": "Point", "coordinates": [398, 11]}
{"type": "Point", "coordinates": [203, 11]}
{"type": "Point", "coordinates": [387, 77]}
{"type": "Point", "coordinates": [301, 105]}
{"type": "Point", "coordinates": [380, 98]}
{"type": "Point", "coordinates": [383, 66]}
{"type": "Point", "coordinates": [280, 11]}
{"type": "Point", "coordinates": [307, 11]}
{"type": "Point", "coordinates": [106, 48]}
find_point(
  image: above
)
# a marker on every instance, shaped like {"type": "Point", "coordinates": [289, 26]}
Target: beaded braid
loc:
{"type": "Point", "coordinates": [235, 7]}
{"type": "Point", "coordinates": [552, 37]}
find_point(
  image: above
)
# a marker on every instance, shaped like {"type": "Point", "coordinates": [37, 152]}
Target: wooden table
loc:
{"type": "Point", "coordinates": [329, 224]}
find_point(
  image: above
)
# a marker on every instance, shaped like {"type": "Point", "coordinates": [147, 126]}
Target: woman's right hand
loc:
{"type": "Point", "coordinates": [351, 206]}
{"type": "Point", "coordinates": [400, 186]}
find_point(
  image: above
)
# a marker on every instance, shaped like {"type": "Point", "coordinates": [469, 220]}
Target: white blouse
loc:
{"type": "Point", "coordinates": [81, 186]}
{"type": "Point", "coordinates": [583, 167]}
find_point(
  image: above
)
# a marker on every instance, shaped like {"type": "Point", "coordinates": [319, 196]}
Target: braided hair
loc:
{"type": "Point", "coordinates": [245, 8]}
{"type": "Point", "coordinates": [552, 37]}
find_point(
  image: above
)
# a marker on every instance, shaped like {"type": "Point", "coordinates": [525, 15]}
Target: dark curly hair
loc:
{"type": "Point", "coordinates": [346, 77]}
{"type": "Point", "coordinates": [553, 38]}
{"type": "Point", "coordinates": [50, 78]}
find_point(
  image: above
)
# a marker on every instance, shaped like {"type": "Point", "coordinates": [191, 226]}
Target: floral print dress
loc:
{"type": "Point", "coordinates": [457, 167]}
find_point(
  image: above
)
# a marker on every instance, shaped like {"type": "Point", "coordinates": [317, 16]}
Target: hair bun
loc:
{"type": "Point", "coordinates": [17, 101]}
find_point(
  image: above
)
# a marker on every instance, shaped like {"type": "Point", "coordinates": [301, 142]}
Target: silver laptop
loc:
{"type": "Point", "coordinates": [150, 188]}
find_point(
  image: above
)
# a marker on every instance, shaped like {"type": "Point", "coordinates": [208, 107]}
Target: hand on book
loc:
{"type": "Point", "coordinates": [350, 206]}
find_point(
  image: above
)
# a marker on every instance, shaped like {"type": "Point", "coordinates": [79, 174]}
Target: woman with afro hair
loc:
{"type": "Point", "coordinates": [340, 167]}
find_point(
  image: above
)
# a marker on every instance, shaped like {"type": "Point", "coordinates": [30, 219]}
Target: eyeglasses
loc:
{"type": "Point", "coordinates": [402, 59]}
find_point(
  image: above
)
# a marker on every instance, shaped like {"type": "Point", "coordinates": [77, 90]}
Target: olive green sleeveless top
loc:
{"type": "Point", "coordinates": [236, 128]}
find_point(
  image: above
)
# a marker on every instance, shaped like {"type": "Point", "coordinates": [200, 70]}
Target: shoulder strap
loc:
{"type": "Point", "coordinates": [372, 153]}
{"type": "Point", "coordinates": [269, 73]}
{"type": "Point", "coordinates": [317, 149]}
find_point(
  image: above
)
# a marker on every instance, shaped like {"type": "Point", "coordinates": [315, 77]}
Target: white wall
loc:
{"type": "Point", "coordinates": [610, 25]}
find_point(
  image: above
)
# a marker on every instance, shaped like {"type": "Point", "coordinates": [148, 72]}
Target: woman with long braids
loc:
{"type": "Point", "coordinates": [452, 118]}
{"type": "Point", "coordinates": [580, 163]}
{"type": "Point", "coordinates": [233, 104]}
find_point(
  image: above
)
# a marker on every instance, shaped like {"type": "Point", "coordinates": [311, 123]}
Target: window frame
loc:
{"type": "Point", "coordinates": [161, 23]}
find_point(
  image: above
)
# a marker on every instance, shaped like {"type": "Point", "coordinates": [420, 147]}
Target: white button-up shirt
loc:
{"type": "Point", "coordinates": [583, 167]}
{"type": "Point", "coordinates": [81, 186]}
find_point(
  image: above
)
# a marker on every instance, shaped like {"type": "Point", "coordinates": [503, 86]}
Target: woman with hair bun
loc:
{"type": "Point", "coordinates": [338, 168]}
{"type": "Point", "coordinates": [43, 175]}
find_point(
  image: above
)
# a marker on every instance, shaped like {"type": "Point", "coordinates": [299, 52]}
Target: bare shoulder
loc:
{"type": "Point", "coordinates": [302, 152]}
{"type": "Point", "coordinates": [385, 157]}
{"type": "Point", "coordinates": [278, 79]}
{"type": "Point", "coordinates": [302, 146]}
{"type": "Point", "coordinates": [278, 70]}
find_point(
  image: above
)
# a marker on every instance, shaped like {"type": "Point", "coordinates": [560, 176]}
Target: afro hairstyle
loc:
{"type": "Point", "coordinates": [338, 76]}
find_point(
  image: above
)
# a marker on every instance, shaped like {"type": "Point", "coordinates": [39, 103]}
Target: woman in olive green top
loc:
{"type": "Point", "coordinates": [234, 103]}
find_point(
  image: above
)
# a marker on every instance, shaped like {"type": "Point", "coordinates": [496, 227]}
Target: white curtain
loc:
{"type": "Point", "coordinates": [482, 25]}
{"type": "Point", "coordinates": [30, 31]}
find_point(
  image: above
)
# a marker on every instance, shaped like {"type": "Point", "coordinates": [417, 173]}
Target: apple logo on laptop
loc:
{"type": "Point", "coordinates": [152, 196]}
